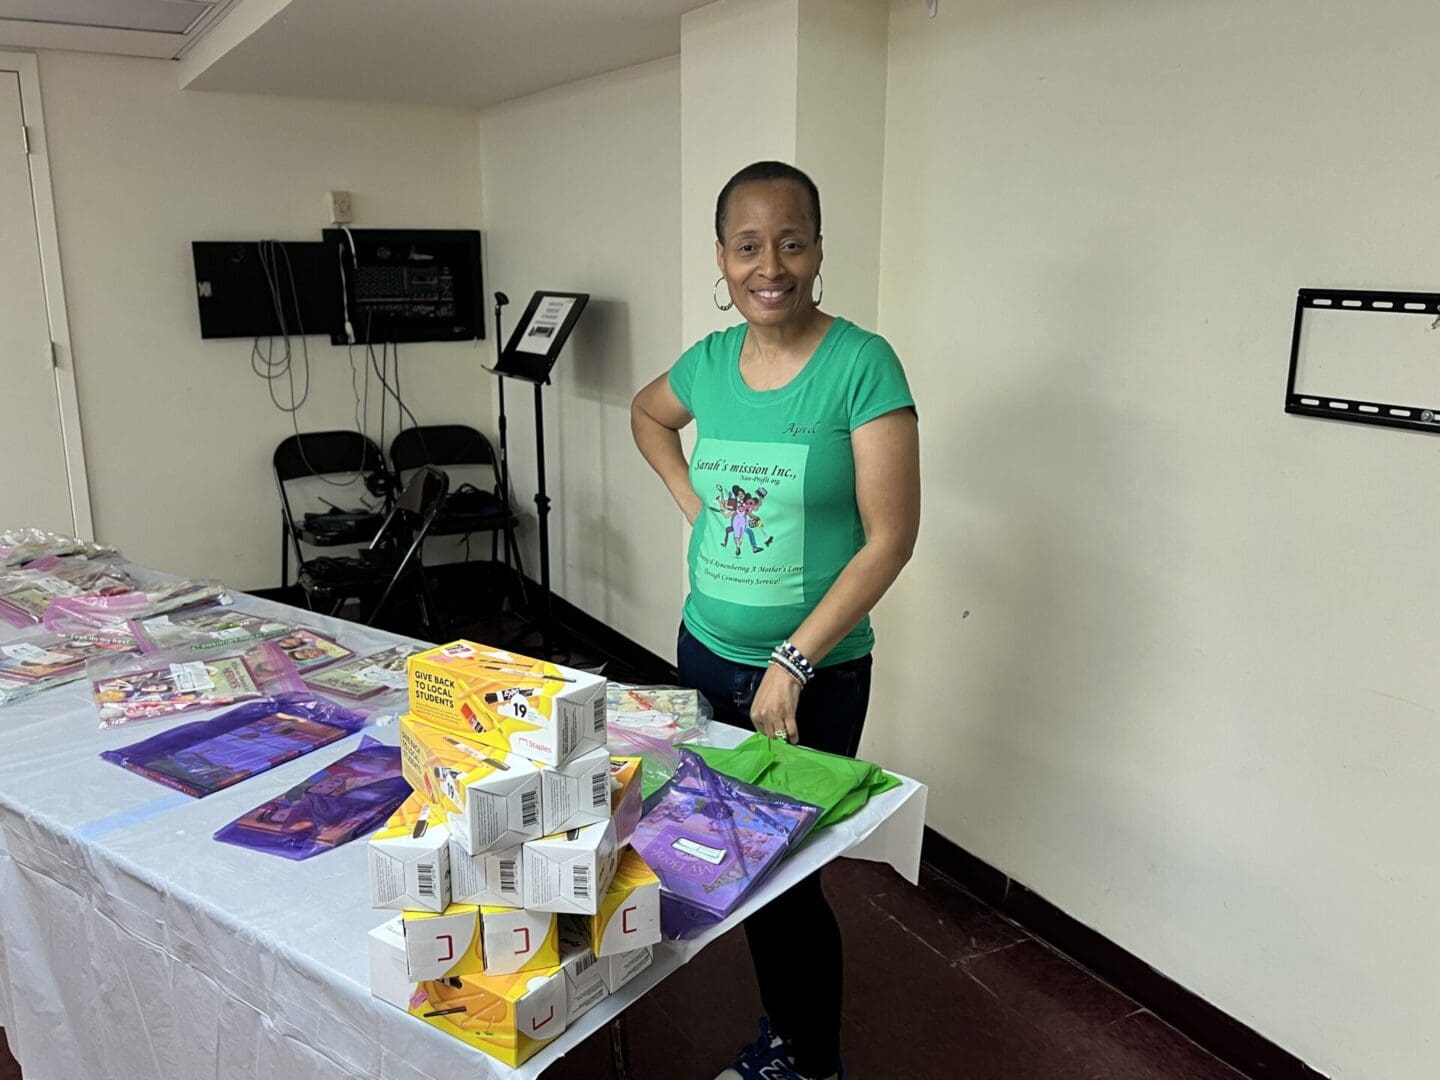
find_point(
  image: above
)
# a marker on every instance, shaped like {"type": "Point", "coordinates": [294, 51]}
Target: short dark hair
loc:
{"type": "Point", "coordinates": [758, 173]}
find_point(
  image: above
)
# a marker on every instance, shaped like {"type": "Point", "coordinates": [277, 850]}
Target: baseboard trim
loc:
{"type": "Point", "coordinates": [1221, 1034]}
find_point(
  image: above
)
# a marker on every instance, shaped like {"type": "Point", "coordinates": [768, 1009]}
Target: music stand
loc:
{"type": "Point", "coordinates": [530, 356]}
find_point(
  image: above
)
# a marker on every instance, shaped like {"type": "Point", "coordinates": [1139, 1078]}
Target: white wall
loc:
{"type": "Point", "coordinates": [582, 194]}
{"type": "Point", "coordinates": [1186, 644]}
{"type": "Point", "coordinates": [180, 431]}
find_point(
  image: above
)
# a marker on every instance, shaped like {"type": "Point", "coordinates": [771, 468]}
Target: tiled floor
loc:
{"type": "Point", "coordinates": [937, 985]}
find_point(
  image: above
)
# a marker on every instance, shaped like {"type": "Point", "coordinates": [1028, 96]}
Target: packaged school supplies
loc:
{"type": "Point", "coordinates": [576, 793]}
{"type": "Point", "coordinates": [442, 945]}
{"type": "Point", "coordinates": [26, 595]}
{"type": "Point", "coordinates": [162, 684]}
{"type": "Point", "coordinates": [629, 915]}
{"type": "Point", "coordinates": [39, 661]}
{"type": "Point", "coordinates": [493, 878]}
{"type": "Point", "coordinates": [20, 546]}
{"type": "Point", "coordinates": [626, 803]}
{"type": "Point", "coordinates": [518, 940]}
{"type": "Point", "coordinates": [340, 802]}
{"type": "Point", "coordinates": [570, 871]}
{"type": "Point", "coordinates": [491, 798]}
{"type": "Point", "coordinates": [116, 611]}
{"type": "Point", "coordinates": [203, 630]}
{"type": "Point", "coordinates": [509, 1017]}
{"type": "Point", "coordinates": [309, 650]}
{"type": "Point", "coordinates": [207, 756]}
{"type": "Point", "coordinates": [539, 710]}
{"type": "Point", "coordinates": [711, 840]}
{"type": "Point", "coordinates": [840, 786]}
{"type": "Point", "coordinates": [410, 860]}
{"type": "Point", "coordinates": [671, 713]}
{"type": "Point", "coordinates": [363, 677]}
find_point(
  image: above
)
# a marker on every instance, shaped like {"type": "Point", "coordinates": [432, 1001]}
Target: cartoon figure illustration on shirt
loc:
{"type": "Point", "coordinates": [740, 520]}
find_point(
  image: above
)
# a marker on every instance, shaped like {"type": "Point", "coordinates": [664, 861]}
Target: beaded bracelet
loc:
{"type": "Point", "coordinates": [796, 657]}
{"type": "Point", "coordinates": [789, 669]}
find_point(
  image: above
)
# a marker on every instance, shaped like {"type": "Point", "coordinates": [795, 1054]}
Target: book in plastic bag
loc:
{"type": "Point", "coordinates": [20, 546]}
{"type": "Point", "coordinates": [310, 650]}
{"type": "Point", "coordinates": [166, 683]}
{"type": "Point", "coordinates": [363, 677]}
{"type": "Point", "coordinates": [342, 801]}
{"type": "Point", "coordinates": [206, 756]}
{"type": "Point", "coordinates": [115, 612]}
{"type": "Point", "coordinates": [673, 714]}
{"type": "Point", "coordinates": [40, 661]}
{"type": "Point", "coordinates": [203, 630]}
{"type": "Point", "coordinates": [26, 595]}
{"type": "Point", "coordinates": [712, 840]}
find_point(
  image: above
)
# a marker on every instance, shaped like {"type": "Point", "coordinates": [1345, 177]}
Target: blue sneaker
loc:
{"type": "Point", "coordinates": [766, 1059]}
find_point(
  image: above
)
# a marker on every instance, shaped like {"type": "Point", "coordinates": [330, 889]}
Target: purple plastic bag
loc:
{"type": "Point", "coordinates": [207, 756]}
{"type": "Point", "coordinates": [711, 840]}
{"type": "Point", "coordinates": [340, 802]}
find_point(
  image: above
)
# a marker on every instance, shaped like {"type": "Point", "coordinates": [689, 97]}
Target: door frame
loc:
{"type": "Point", "coordinates": [25, 65]}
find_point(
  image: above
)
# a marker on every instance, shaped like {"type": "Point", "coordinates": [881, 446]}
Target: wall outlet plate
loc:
{"type": "Point", "coordinates": [337, 205]}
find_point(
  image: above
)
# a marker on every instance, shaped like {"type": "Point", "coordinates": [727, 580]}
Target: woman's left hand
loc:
{"type": "Point", "coordinates": [773, 710]}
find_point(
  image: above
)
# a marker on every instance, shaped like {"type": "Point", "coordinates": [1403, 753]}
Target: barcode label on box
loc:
{"type": "Point", "coordinates": [598, 725]}
{"type": "Point", "coordinates": [600, 789]}
{"type": "Point", "coordinates": [425, 880]}
{"type": "Point", "coordinates": [530, 809]}
{"type": "Point", "coordinates": [508, 876]}
{"type": "Point", "coordinates": [581, 882]}
{"type": "Point", "coordinates": [568, 718]}
{"type": "Point", "coordinates": [585, 963]}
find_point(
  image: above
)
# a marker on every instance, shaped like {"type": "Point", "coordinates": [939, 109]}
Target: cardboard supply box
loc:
{"type": "Point", "coordinates": [512, 702]}
{"type": "Point", "coordinates": [518, 940]}
{"type": "Point", "coordinates": [626, 797]}
{"type": "Point", "coordinates": [629, 915]}
{"type": "Point", "coordinates": [389, 975]}
{"type": "Point", "coordinates": [444, 945]}
{"type": "Point", "coordinates": [569, 872]}
{"type": "Point", "coordinates": [410, 860]}
{"type": "Point", "coordinates": [509, 1017]}
{"type": "Point", "coordinates": [616, 970]}
{"type": "Point", "coordinates": [491, 797]}
{"type": "Point", "coordinates": [576, 793]}
{"type": "Point", "coordinates": [491, 878]}
{"type": "Point", "coordinates": [584, 981]}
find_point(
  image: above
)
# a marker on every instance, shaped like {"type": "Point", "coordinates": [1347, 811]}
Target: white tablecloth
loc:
{"type": "Point", "coordinates": [134, 945]}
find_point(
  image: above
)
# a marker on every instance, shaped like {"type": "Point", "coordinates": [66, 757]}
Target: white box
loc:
{"type": "Point", "coordinates": [518, 940]}
{"type": "Point", "coordinates": [576, 793]}
{"type": "Point", "coordinates": [491, 796]}
{"type": "Point", "coordinates": [443, 945]}
{"type": "Point", "coordinates": [619, 970]}
{"type": "Point", "coordinates": [616, 970]}
{"type": "Point", "coordinates": [410, 860]}
{"type": "Point", "coordinates": [389, 976]}
{"type": "Point", "coordinates": [492, 878]}
{"type": "Point", "coordinates": [584, 982]}
{"type": "Point", "coordinates": [569, 872]}
{"type": "Point", "coordinates": [629, 915]}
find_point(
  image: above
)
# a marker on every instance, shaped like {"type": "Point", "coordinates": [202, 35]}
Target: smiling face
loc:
{"type": "Point", "coordinates": [770, 253]}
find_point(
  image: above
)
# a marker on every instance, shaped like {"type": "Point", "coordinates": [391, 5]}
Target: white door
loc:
{"type": "Point", "coordinates": [34, 484]}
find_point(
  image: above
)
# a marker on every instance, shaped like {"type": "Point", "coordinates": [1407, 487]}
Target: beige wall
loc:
{"type": "Point", "coordinates": [582, 194]}
{"type": "Point", "coordinates": [1183, 646]}
{"type": "Point", "coordinates": [180, 430]}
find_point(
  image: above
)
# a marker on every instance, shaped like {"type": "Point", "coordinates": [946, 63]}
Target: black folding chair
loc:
{"type": "Point", "coordinates": [324, 454]}
{"type": "Point", "coordinates": [391, 559]}
{"type": "Point", "coordinates": [468, 509]}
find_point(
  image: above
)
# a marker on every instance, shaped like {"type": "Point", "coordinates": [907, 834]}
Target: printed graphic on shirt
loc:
{"type": "Point", "coordinates": [750, 537]}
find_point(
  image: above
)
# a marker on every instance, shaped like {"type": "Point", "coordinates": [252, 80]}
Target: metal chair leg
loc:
{"type": "Point", "coordinates": [620, 1049]}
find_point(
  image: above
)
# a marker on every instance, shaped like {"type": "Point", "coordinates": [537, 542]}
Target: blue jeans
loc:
{"type": "Point", "coordinates": [794, 940]}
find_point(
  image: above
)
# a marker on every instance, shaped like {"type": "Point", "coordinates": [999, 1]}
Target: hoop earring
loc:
{"type": "Point", "coordinates": [715, 295]}
{"type": "Point", "coordinates": [816, 299]}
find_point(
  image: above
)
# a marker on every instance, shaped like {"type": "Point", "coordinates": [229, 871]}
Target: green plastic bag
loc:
{"type": "Point", "coordinates": [840, 786]}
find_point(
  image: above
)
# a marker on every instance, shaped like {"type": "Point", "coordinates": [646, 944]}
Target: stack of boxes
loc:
{"type": "Point", "coordinates": [520, 904]}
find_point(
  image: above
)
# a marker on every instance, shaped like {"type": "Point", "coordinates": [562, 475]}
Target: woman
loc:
{"type": "Point", "coordinates": [779, 639]}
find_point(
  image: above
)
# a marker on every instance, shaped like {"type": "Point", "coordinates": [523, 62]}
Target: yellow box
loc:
{"type": "Point", "coordinates": [444, 945]}
{"type": "Point", "coordinates": [629, 915]}
{"type": "Point", "coordinates": [536, 709]}
{"type": "Point", "coordinates": [626, 798]}
{"type": "Point", "coordinates": [492, 798]}
{"type": "Point", "coordinates": [509, 1017]}
{"type": "Point", "coordinates": [518, 940]}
